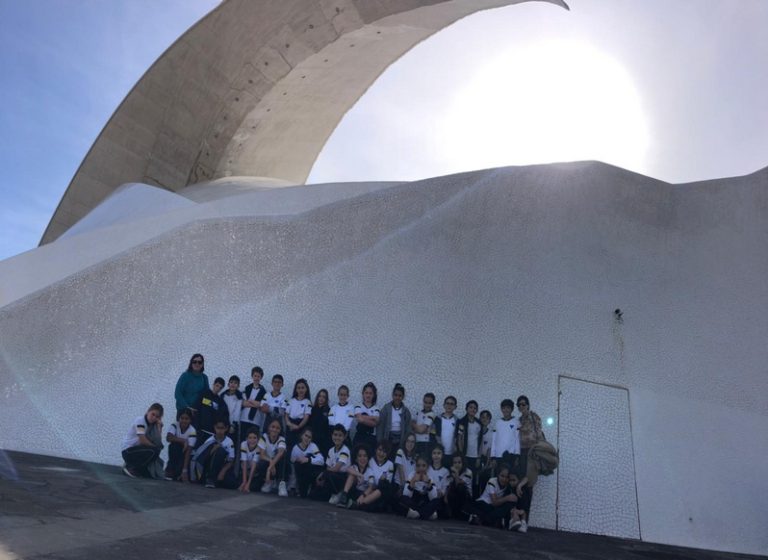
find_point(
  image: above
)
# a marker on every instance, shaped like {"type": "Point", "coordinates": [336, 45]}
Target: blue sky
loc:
{"type": "Point", "coordinates": [699, 69]}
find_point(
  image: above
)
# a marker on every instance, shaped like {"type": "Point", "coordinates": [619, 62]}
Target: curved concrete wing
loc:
{"type": "Point", "coordinates": [254, 88]}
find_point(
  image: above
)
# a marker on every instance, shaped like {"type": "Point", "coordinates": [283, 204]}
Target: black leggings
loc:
{"type": "Point", "coordinates": [306, 473]}
{"type": "Point", "coordinates": [138, 457]}
{"type": "Point", "coordinates": [421, 504]}
{"type": "Point", "coordinates": [491, 515]}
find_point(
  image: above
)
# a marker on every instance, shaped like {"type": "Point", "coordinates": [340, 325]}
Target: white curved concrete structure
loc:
{"type": "Point", "coordinates": [483, 285]}
{"type": "Point", "coordinates": [254, 88]}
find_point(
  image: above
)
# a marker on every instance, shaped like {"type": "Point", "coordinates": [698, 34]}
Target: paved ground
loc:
{"type": "Point", "coordinates": [56, 508]}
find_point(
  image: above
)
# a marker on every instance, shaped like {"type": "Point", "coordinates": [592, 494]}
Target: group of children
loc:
{"type": "Point", "coordinates": [422, 466]}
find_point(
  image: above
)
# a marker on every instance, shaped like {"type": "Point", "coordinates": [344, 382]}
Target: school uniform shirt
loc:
{"type": "Point", "coordinates": [336, 457]}
{"type": "Point", "coordinates": [440, 478]}
{"type": "Point", "coordinates": [445, 429]}
{"type": "Point", "coordinates": [485, 442]}
{"type": "Point", "coordinates": [506, 437]}
{"type": "Point", "coordinates": [296, 408]}
{"type": "Point", "coordinates": [473, 439]}
{"type": "Point", "coordinates": [466, 477]}
{"type": "Point", "coordinates": [491, 489]}
{"type": "Point", "coordinates": [226, 444]}
{"type": "Point", "coordinates": [385, 471]}
{"type": "Point", "coordinates": [190, 435]}
{"type": "Point", "coordinates": [271, 448]}
{"type": "Point", "coordinates": [409, 467]}
{"type": "Point", "coordinates": [367, 479]}
{"type": "Point", "coordinates": [138, 428]}
{"type": "Point", "coordinates": [425, 419]}
{"type": "Point", "coordinates": [248, 455]}
{"type": "Point", "coordinates": [342, 414]}
{"type": "Point", "coordinates": [420, 487]}
{"type": "Point", "coordinates": [277, 406]}
{"type": "Point", "coordinates": [253, 415]}
{"type": "Point", "coordinates": [312, 452]}
{"type": "Point", "coordinates": [366, 411]}
{"type": "Point", "coordinates": [234, 404]}
{"type": "Point", "coordinates": [396, 420]}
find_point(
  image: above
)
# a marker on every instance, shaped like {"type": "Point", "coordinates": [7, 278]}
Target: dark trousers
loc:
{"type": "Point", "coordinates": [421, 504]}
{"type": "Point", "coordinates": [491, 515]}
{"type": "Point", "coordinates": [212, 461]}
{"type": "Point", "coordinates": [459, 500]}
{"type": "Point", "coordinates": [260, 476]}
{"type": "Point", "coordinates": [175, 460]}
{"type": "Point", "coordinates": [138, 457]}
{"type": "Point", "coordinates": [306, 473]}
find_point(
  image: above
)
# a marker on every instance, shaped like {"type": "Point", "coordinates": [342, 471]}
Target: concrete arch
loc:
{"type": "Point", "coordinates": [254, 88]}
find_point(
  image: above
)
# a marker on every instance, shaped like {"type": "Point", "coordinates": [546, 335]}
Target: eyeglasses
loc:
{"type": "Point", "coordinates": [197, 361]}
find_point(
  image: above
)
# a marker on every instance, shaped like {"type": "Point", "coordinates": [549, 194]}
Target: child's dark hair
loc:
{"type": "Point", "coordinates": [342, 387]}
{"type": "Point", "coordinates": [307, 429]}
{"type": "Point", "coordinates": [450, 398]}
{"type": "Point", "coordinates": [278, 377]}
{"type": "Point", "coordinates": [463, 461]}
{"type": "Point", "coordinates": [220, 381]}
{"type": "Point", "coordinates": [486, 412]}
{"type": "Point", "coordinates": [254, 431]}
{"type": "Point", "coordinates": [339, 428]}
{"type": "Point", "coordinates": [221, 421]}
{"type": "Point", "coordinates": [196, 357]}
{"type": "Point", "coordinates": [279, 425]}
{"type": "Point", "coordinates": [524, 399]}
{"type": "Point", "coordinates": [372, 387]}
{"type": "Point", "coordinates": [508, 403]}
{"type": "Point", "coordinates": [430, 396]}
{"type": "Point", "coordinates": [158, 407]}
{"type": "Point", "coordinates": [438, 446]}
{"type": "Point", "coordinates": [317, 396]}
{"type": "Point", "coordinates": [185, 412]}
{"type": "Point", "coordinates": [474, 402]}
{"type": "Point", "coordinates": [385, 446]}
{"type": "Point", "coordinates": [257, 369]}
{"type": "Point", "coordinates": [234, 378]}
{"type": "Point", "coordinates": [399, 388]}
{"type": "Point", "coordinates": [358, 448]}
{"type": "Point", "coordinates": [295, 387]}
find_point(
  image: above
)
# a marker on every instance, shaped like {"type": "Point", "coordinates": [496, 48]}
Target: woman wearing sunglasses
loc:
{"type": "Point", "coordinates": [191, 384]}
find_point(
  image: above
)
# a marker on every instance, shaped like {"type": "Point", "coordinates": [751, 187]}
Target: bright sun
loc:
{"type": "Point", "coordinates": [547, 102]}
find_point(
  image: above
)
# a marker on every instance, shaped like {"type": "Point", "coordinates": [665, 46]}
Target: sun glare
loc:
{"type": "Point", "coordinates": [547, 102]}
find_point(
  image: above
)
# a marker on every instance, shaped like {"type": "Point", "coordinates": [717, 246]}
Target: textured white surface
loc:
{"type": "Point", "coordinates": [485, 285]}
{"type": "Point", "coordinates": [596, 476]}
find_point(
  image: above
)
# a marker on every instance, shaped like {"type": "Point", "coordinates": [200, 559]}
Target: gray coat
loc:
{"type": "Point", "coordinates": [385, 423]}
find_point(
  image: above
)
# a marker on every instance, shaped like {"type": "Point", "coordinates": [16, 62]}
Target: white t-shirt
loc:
{"type": "Point", "coordinates": [340, 456]}
{"type": "Point", "coordinates": [485, 445]}
{"type": "Point", "coordinates": [447, 431]}
{"type": "Point", "coordinates": [296, 408]}
{"type": "Point", "coordinates": [439, 477]}
{"type": "Point", "coordinates": [424, 419]}
{"type": "Point", "coordinates": [226, 444]}
{"type": "Point", "coordinates": [409, 467]}
{"type": "Point", "coordinates": [506, 437]}
{"type": "Point", "coordinates": [245, 413]}
{"type": "Point", "coordinates": [366, 411]}
{"type": "Point", "coordinates": [382, 472]}
{"type": "Point", "coordinates": [248, 455]}
{"type": "Point", "coordinates": [367, 479]}
{"type": "Point", "coordinates": [473, 435]}
{"type": "Point", "coordinates": [277, 405]}
{"type": "Point", "coordinates": [271, 448]}
{"type": "Point", "coordinates": [491, 490]}
{"type": "Point", "coordinates": [190, 435]}
{"type": "Point", "coordinates": [342, 414]}
{"type": "Point", "coordinates": [397, 415]}
{"type": "Point", "coordinates": [312, 452]}
{"type": "Point", "coordinates": [138, 428]}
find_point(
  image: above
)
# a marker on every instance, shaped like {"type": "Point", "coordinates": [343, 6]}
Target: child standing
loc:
{"type": "Point", "coordinates": [214, 458]}
{"type": "Point", "coordinates": [274, 404]}
{"type": "Point", "coordinates": [336, 464]}
{"type": "Point", "coordinates": [249, 459]}
{"type": "Point", "coordinates": [343, 412]}
{"type": "Point", "coordinates": [367, 417]}
{"type": "Point", "coordinates": [445, 429]}
{"type": "Point", "coordinates": [395, 420]}
{"type": "Point", "coordinates": [307, 461]}
{"type": "Point", "coordinates": [505, 446]}
{"type": "Point", "coordinates": [143, 443]}
{"type": "Point", "coordinates": [233, 398]}
{"type": "Point", "coordinates": [469, 440]}
{"type": "Point", "coordinates": [181, 439]}
{"type": "Point", "coordinates": [318, 421]}
{"type": "Point", "coordinates": [251, 416]}
{"type": "Point", "coordinates": [423, 425]}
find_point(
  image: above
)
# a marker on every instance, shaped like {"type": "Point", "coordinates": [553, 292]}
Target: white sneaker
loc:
{"type": "Point", "coordinates": [412, 514]}
{"type": "Point", "coordinates": [523, 527]}
{"type": "Point", "coordinates": [282, 490]}
{"type": "Point", "coordinates": [433, 516]}
{"type": "Point", "coordinates": [267, 487]}
{"type": "Point", "coordinates": [334, 499]}
{"type": "Point", "coordinates": [515, 525]}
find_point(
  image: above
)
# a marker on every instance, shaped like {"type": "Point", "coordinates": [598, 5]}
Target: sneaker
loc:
{"type": "Point", "coordinates": [515, 525]}
{"type": "Point", "coordinates": [334, 499]}
{"type": "Point", "coordinates": [351, 504]}
{"type": "Point", "coordinates": [474, 520]}
{"type": "Point", "coordinates": [342, 501]}
{"type": "Point", "coordinates": [129, 472]}
{"type": "Point", "coordinates": [267, 487]}
{"type": "Point", "coordinates": [168, 478]}
{"type": "Point", "coordinates": [282, 490]}
{"type": "Point", "coordinates": [523, 527]}
{"type": "Point", "coordinates": [210, 483]}
{"type": "Point", "coordinates": [412, 514]}
{"type": "Point", "coordinates": [433, 516]}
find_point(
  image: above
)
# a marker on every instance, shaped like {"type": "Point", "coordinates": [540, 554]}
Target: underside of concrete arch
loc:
{"type": "Point", "coordinates": [254, 88]}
